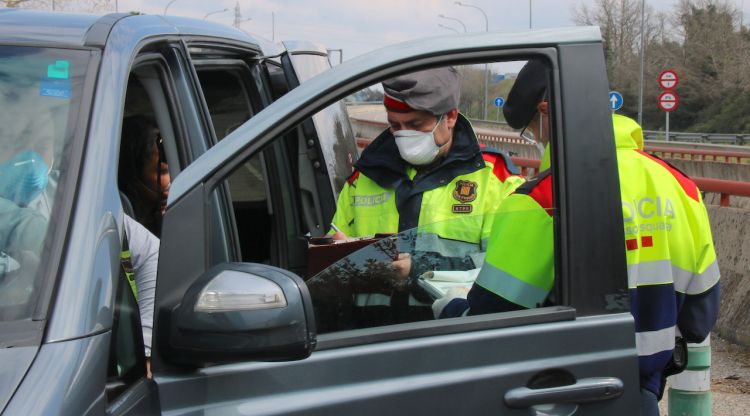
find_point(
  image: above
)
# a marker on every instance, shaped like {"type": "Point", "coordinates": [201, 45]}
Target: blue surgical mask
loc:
{"type": "Point", "coordinates": [23, 177]}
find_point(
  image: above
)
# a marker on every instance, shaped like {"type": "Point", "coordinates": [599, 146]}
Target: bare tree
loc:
{"type": "Point", "coordinates": [620, 24]}
{"type": "Point", "coordinates": [89, 6]}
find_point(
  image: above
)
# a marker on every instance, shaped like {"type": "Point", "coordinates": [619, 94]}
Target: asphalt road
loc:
{"type": "Point", "coordinates": [730, 379]}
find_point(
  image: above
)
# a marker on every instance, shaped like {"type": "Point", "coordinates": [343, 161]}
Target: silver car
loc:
{"type": "Point", "coordinates": [258, 144]}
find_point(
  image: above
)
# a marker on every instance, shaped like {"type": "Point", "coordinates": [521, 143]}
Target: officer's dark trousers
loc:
{"type": "Point", "coordinates": [649, 403]}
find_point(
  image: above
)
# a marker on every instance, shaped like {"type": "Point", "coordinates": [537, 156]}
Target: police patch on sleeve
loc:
{"type": "Point", "coordinates": [466, 191]}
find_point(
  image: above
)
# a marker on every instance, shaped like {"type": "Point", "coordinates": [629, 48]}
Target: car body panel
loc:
{"type": "Point", "coordinates": [66, 378]}
{"type": "Point", "coordinates": [43, 27]}
{"type": "Point", "coordinates": [15, 362]}
{"type": "Point", "coordinates": [474, 371]}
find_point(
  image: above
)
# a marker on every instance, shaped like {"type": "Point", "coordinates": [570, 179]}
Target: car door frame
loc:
{"type": "Point", "coordinates": [582, 256]}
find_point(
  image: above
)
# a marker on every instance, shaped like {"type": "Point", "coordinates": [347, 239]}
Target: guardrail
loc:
{"type": "Point", "coordinates": [720, 186]}
{"type": "Point", "coordinates": [674, 136]}
{"type": "Point", "coordinates": [708, 155]}
{"type": "Point", "coordinates": [737, 139]}
{"type": "Point", "coordinates": [529, 166]}
{"type": "Point", "coordinates": [704, 152]}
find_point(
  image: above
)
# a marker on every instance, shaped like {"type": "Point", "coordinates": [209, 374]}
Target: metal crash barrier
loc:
{"type": "Point", "coordinates": [520, 150]}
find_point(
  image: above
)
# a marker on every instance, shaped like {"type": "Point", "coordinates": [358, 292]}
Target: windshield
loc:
{"type": "Point", "coordinates": [385, 279]}
{"type": "Point", "coordinates": [40, 92]}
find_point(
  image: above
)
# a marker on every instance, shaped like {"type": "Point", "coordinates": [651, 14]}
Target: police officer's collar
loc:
{"type": "Point", "coordinates": [381, 161]}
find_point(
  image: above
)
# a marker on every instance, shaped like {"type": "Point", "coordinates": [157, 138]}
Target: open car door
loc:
{"type": "Point", "coordinates": [239, 338]}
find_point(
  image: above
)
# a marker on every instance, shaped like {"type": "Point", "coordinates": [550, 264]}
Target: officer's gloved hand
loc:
{"type": "Point", "coordinates": [452, 293]}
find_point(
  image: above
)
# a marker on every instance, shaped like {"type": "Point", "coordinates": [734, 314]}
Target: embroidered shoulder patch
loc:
{"type": "Point", "coordinates": [466, 191]}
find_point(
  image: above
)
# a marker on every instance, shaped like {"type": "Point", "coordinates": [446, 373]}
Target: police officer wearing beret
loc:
{"type": "Point", "coordinates": [426, 168]}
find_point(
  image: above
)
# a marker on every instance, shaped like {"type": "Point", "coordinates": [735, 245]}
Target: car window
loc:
{"type": "Point", "coordinates": [40, 94]}
{"type": "Point", "coordinates": [333, 132]}
{"type": "Point", "coordinates": [226, 97]}
{"type": "Point", "coordinates": [392, 279]}
{"type": "Point", "coordinates": [369, 288]}
{"type": "Point", "coordinates": [151, 139]}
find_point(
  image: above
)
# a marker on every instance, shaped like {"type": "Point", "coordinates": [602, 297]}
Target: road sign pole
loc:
{"type": "Point", "coordinates": [667, 128]}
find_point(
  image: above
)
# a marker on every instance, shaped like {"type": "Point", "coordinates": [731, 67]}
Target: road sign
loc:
{"type": "Point", "coordinates": [668, 101]}
{"type": "Point", "coordinates": [668, 79]}
{"type": "Point", "coordinates": [615, 100]}
{"type": "Point", "coordinates": [499, 77]}
{"type": "Point", "coordinates": [499, 101]}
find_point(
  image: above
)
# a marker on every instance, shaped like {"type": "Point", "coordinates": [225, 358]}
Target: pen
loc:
{"type": "Point", "coordinates": [335, 228]}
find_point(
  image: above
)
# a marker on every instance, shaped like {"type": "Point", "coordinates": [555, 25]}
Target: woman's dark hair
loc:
{"type": "Point", "coordinates": [139, 134]}
{"type": "Point", "coordinates": [139, 137]}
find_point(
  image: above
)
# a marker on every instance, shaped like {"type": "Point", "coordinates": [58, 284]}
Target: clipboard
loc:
{"type": "Point", "coordinates": [322, 252]}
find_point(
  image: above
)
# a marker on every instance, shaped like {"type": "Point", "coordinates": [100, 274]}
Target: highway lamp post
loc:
{"type": "Point", "coordinates": [243, 21]}
{"type": "Point", "coordinates": [486, 68]}
{"type": "Point", "coordinates": [529, 14]}
{"type": "Point", "coordinates": [215, 12]}
{"type": "Point", "coordinates": [643, 52]}
{"type": "Point", "coordinates": [167, 6]}
{"type": "Point", "coordinates": [447, 27]}
{"type": "Point", "coordinates": [442, 16]}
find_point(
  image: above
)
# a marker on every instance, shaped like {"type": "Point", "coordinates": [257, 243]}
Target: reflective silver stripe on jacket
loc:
{"type": "Point", "coordinates": [431, 242]}
{"type": "Point", "coordinates": [662, 272]}
{"type": "Point", "coordinates": [652, 342]}
{"type": "Point", "coordinates": [510, 287]}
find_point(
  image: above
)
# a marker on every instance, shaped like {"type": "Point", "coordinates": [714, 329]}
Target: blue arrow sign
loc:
{"type": "Point", "coordinates": [615, 100]}
{"type": "Point", "coordinates": [499, 101]}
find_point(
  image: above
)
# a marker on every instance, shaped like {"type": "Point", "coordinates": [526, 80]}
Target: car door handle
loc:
{"type": "Point", "coordinates": [585, 390]}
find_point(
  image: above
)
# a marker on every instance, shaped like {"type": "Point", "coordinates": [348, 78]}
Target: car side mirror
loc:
{"type": "Point", "coordinates": [242, 311]}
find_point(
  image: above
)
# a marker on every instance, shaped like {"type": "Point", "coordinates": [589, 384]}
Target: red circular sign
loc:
{"type": "Point", "coordinates": [668, 79]}
{"type": "Point", "coordinates": [668, 101]}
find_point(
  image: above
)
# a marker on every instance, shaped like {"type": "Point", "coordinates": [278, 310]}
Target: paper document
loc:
{"type": "Point", "coordinates": [438, 282]}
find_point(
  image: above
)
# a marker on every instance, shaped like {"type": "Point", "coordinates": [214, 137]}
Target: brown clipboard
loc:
{"type": "Point", "coordinates": [322, 252]}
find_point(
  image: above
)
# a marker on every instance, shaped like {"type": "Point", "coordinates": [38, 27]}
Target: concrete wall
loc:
{"type": "Point", "coordinates": [731, 231]}
{"type": "Point", "coordinates": [717, 170]}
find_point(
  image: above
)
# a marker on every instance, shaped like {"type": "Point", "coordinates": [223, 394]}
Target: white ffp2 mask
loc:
{"type": "Point", "coordinates": [417, 147]}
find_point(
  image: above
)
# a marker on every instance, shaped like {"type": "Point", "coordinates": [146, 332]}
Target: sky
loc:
{"type": "Point", "coordinates": [359, 26]}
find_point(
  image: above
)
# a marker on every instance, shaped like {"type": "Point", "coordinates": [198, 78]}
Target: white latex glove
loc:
{"type": "Point", "coordinates": [453, 293]}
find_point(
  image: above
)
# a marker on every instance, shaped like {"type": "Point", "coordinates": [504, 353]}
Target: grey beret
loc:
{"type": "Point", "coordinates": [436, 91]}
{"type": "Point", "coordinates": [528, 90]}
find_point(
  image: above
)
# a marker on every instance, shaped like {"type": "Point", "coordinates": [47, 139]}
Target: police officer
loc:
{"type": "Point", "coordinates": [673, 277]}
{"type": "Point", "coordinates": [426, 168]}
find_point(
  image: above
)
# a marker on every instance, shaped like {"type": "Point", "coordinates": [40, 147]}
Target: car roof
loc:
{"type": "Point", "coordinates": [61, 29]}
